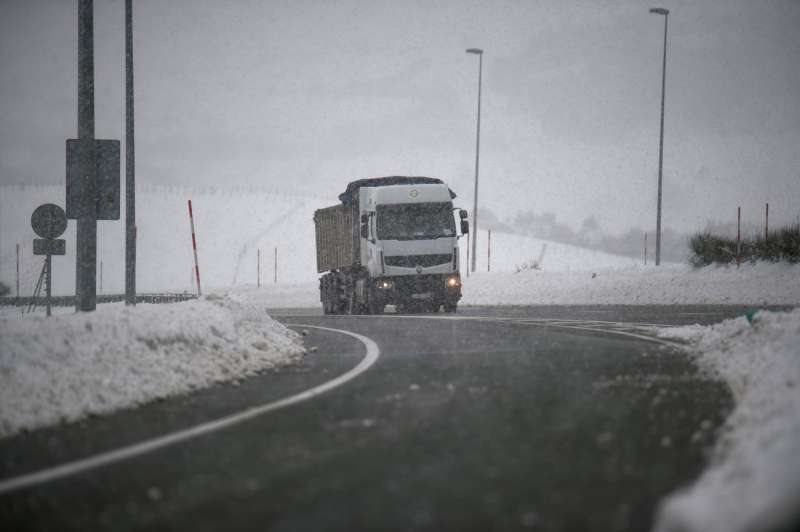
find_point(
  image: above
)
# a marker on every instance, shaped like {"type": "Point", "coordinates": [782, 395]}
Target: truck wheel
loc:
{"type": "Point", "coordinates": [450, 307]}
{"type": "Point", "coordinates": [434, 308]}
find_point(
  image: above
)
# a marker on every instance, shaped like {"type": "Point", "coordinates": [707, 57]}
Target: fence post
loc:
{"type": "Point", "coordinates": [194, 248]}
{"type": "Point", "coordinates": [645, 248]}
{"type": "Point", "coordinates": [468, 237]}
{"type": "Point", "coordinates": [738, 236]}
{"type": "Point", "coordinates": [489, 252]}
{"type": "Point", "coordinates": [766, 225]}
{"type": "Point", "coordinates": [17, 270]}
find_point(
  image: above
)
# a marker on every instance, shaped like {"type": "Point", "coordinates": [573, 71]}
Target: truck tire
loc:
{"type": "Point", "coordinates": [450, 308]}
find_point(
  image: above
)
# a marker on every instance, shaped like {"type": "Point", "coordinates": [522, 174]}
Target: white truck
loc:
{"type": "Point", "coordinates": [391, 241]}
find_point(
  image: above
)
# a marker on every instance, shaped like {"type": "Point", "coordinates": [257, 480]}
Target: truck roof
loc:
{"type": "Point", "coordinates": [349, 195]}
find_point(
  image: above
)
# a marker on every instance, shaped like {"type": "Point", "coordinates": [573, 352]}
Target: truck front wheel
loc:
{"type": "Point", "coordinates": [450, 307]}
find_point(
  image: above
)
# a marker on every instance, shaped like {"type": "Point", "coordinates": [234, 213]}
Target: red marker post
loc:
{"type": "Point", "coordinates": [194, 248]}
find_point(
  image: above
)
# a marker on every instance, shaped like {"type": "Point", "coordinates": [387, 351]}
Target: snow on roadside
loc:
{"type": "Point", "coordinates": [754, 480]}
{"type": "Point", "coordinates": [69, 366]}
{"type": "Point", "coordinates": [752, 284]}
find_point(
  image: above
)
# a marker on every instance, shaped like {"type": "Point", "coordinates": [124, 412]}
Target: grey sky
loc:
{"type": "Point", "coordinates": [306, 94]}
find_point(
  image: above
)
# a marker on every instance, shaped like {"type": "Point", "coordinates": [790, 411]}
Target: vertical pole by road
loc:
{"type": "Point", "coordinates": [86, 237]}
{"type": "Point", "coordinates": [766, 224]}
{"type": "Point", "coordinates": [130, 165]}
{"type": "Point", "coordinates": [738, 236]}
{"type": "Point", "coordinates": [468, 237]}
{"type": "Point", "coordinates": [665, 12]}
{"type": "Point", "coordinates": [258, 269]}
{"type": "Point", "coordinates": [49, 261]}
{"type": "Point", "coordinates": [489, 252]}
{"type": "Point", "coordinates": [479, 53]}
{"type": "Point", "coordinates": [17, 270]}
{"type": "Point", "coordinates": [276, 267]}
{"type": "Point", "coordinates": [194, 249]}
{"type": "Point", "coordinates": [645, 248]}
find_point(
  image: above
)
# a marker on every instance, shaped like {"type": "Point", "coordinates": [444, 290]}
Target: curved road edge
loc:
{"type": "Point", "coordinates": [123, 453]}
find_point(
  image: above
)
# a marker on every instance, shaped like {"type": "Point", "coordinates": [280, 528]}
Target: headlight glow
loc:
{"type": "Point", "coordinates": [385, 285]}
{"type": "Point", "coordinates": [452, 282]}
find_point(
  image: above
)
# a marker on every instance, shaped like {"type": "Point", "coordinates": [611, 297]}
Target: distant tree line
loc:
{"type": "Point", "coordinates": [590, 235]}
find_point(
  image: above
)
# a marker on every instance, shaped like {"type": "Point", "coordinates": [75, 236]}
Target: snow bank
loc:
{"type": "Point", "coordinates": [752, 284]}
{"type": "Point", "coordinates": [70, 366]}
{"type": "Point", "coordinates": [754, 481]}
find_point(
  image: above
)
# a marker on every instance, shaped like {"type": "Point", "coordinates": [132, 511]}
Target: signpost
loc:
{"type": "Point", "coordinates": [93, 184]}
{"type": "Point", "coordinates": [49, 222]}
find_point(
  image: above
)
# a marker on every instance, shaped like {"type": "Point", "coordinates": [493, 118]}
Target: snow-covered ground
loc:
{"type": "Point", "coordinates": [752, 284]}
{"type": "Point", "coordinates": [754, 480]}
{"type": "Point", "coordinates": [73, 365]}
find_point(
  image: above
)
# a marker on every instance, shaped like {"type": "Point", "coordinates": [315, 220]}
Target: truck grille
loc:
{"type": "Point", "coordinates": [412, 261]}
{"type": "Point", "coordinates": [417, 284]}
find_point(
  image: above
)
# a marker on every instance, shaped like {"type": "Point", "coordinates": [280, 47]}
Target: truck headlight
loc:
{"type": "Point", "coordinates": [453, 282]}
{"type": "Point", "coordinates": [385, 285]}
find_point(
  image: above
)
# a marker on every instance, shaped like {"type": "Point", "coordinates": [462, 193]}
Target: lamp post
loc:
{"type": "Point", "coordinates": [665, 12]}
{"type": "Point", "coordinates": [479, 53]}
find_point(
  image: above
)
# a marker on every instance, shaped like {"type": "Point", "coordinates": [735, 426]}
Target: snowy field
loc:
{"type": "Point", "coordinates": [73, 365]}
{"type": "Point", "coordinates": [754, 480]}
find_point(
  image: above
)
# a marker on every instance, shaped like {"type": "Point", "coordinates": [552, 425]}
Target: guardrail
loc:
{"type": "Point", "coordinates": [69, 301]}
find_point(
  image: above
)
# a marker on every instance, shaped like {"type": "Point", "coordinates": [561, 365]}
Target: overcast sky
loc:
{"type": "Point", "coordinates": [312, 94]}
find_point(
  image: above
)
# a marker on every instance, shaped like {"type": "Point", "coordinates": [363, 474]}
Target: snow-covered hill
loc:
{"type": "Point", "coordinates": [231, 225]}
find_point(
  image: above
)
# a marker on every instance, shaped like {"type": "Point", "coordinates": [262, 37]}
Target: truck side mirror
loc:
{"type": "Point", "coordinates": [462, 214]}
{"type": "Point", "coordinates": [464, 227]}
{"type": "Point", "coordinates": [364, 229]}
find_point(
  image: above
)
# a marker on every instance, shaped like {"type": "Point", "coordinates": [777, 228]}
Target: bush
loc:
{"type": "Point", "coordinates": [4, 289]}
{"type": "Point", "coordinates": [782, 245]}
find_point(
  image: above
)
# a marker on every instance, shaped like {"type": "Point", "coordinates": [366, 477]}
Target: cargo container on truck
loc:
{"type": "Point", "coordinates": [391, 241]}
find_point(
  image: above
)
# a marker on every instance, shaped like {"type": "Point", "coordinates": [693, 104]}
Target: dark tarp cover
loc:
{"type": "Point", "coordinates": [348, 196]}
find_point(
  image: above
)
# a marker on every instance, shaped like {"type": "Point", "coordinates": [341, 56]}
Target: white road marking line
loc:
{"type": "Point", "coordinates": [124, 453]}
{"type": "Point", "coordinates": [611, 327]}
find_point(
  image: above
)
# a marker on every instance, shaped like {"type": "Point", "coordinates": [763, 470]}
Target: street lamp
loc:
{"type": "Point", "coordinates": [479, 53]}
{"type": "Point", "coordinates": [665, 12]}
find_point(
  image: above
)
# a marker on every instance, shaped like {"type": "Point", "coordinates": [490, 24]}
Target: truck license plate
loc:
{"type": "Point", "coordinates": [426, 295]}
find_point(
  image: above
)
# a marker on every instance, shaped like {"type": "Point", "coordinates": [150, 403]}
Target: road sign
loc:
{"type": "Point", "coordinates": [49, 221]}
{"type": "Point", "coordinates": [49, 246]}
{"type": "Point", "coordinates": [107, 184]}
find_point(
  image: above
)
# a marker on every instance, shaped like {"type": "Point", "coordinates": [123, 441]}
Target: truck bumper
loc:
{"type": "Point", "coordinates": [436, 289]}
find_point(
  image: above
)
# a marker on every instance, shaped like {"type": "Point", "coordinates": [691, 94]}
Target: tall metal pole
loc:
{"type": "Point", "coordinates": [665, 12]}
{"type": "Point", "coordinates": [130, 168]}
{"type": "Point", "coordinates": [86, 237]}
{"type": "Point", "coordinates": [479, 53]}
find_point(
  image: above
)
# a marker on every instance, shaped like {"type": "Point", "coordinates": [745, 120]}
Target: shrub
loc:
{"type": "Point", "coordinates": [780, 245]}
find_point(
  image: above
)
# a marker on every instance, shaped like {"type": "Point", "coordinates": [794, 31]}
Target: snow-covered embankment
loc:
{"type": "Point", "coordinates": [754, 479]}
{"type": "Point", "coordinates": [69, 366]}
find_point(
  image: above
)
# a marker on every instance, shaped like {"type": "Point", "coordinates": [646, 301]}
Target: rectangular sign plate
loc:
{"type": "Point", "coordinates": [426, 295]}
{"type": "Point", "coordinates": [106, 156]}
{"type": "Point", "coordinates": [47, 246]}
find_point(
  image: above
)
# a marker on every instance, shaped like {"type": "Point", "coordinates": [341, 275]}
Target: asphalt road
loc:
{"type": "Point", "coordinates": [528, 418]}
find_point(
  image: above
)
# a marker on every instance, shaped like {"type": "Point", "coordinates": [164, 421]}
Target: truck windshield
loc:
{"type": "Point", "coordinates": [415, 221]}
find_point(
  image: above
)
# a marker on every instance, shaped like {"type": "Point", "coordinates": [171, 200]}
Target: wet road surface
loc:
{"type": "Point", "coordinates": [504, 418]}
